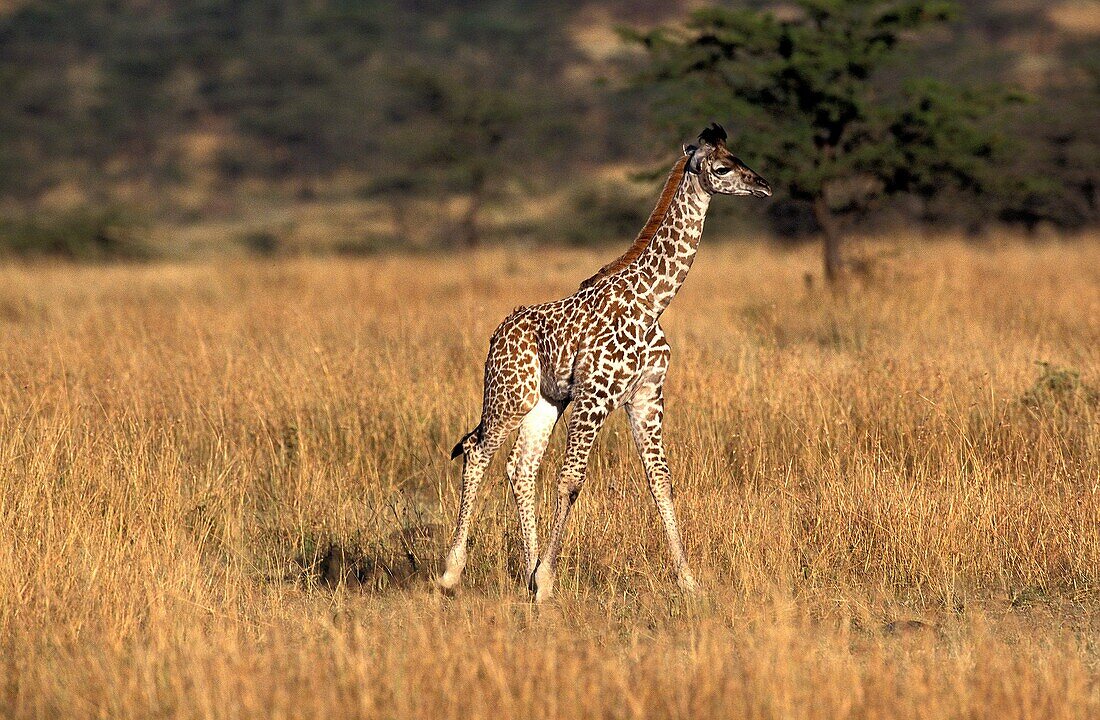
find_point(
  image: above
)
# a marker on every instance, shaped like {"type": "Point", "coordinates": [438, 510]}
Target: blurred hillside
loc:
{"type": "Point", "coordinates": [149, 126]}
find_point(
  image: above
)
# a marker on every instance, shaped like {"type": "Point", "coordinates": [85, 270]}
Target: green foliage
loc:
{"type": "Point", "coordinates": [935, 140]}
{"type": "Point", "coordinates": [264, 243]}
{"type": "Point", "coordinates": [812, 106]}
{"type": "Point", "coordinates": [1058, 387]}
{"type": "Point", "coordinates": [308, 87]}
{"type": "Point", "coordinates": [1061, 161]}
{"type": "Point", "coordinates": [415, 101]}
{"type": "Point", "coordinates": [458, 127]}
{"type": "Point", "coordinates": [83, 234]}
{"type": "Point", "coordinates": [606, 212]}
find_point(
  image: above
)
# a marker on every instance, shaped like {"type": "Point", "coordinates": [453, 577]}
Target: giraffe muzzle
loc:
{"type": "Point", "coordinates": [762, 188]}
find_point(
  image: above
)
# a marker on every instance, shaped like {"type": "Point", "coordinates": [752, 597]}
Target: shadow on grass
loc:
{"type": "Point", "coordinates": [403, 559]}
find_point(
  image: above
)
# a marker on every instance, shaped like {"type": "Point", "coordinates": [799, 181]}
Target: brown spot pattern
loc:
{"type": "Point", "coordinates": [594, 351]}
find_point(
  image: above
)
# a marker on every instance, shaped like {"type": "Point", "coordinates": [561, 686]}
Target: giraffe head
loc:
{"type": "Point", "coordinates": [719, 171]}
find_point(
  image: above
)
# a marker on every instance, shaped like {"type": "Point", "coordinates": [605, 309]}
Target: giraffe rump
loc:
{"type": "Point", "coordinates": [649, 230]}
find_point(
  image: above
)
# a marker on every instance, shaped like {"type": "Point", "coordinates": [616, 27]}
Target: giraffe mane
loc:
{"type": "Point", "coordinates": [649, 229]}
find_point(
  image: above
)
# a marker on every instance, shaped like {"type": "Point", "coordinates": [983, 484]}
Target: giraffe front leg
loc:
{"type": "Point", "coordinates": [585, 421]}
{"type": "Point", "coordinates": [522, 470]}
{"type": "Point", "coordinates": [646, 414]}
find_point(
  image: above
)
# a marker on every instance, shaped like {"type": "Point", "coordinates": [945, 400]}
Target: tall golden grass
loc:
{"type": "Point", "coordinates": [224, 488]}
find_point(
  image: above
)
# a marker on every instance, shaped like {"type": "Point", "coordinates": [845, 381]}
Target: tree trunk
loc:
{"type": "Point", "coordinates": [834, 263]}
{"type": "Point", "coordinates": [469, 229]}
{"type": "Point", "coordinates": [402, 227]}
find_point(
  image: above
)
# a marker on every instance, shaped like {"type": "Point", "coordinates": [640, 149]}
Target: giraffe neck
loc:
{"type": "Point", "coordinates": [665, 262]}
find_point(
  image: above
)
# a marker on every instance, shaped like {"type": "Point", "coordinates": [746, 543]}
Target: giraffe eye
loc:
{"type": "Point", "coordinates": [722, 171]}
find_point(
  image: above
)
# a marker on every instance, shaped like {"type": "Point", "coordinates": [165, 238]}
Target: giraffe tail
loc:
{"type": "Point", "coordinates": [458, 449]}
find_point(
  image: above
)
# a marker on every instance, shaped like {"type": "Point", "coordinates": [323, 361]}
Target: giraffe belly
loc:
{"type": "Point", "coordinates": [595, 346]}
{"type": "Point", "coordinates": [611, 371]}
{"type": "Point", "coordinates": [558, 378]}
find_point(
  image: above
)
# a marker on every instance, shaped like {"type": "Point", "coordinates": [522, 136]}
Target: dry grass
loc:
{"type": "Point", "coordinates": [222, 486]}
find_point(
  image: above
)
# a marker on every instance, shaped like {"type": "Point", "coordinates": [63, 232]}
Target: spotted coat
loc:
{"type": "Point", "coordinates": [598, 349]}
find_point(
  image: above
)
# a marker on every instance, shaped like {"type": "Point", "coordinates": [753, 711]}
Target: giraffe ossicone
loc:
{"type": "Point", "coordinates": [594, 351]}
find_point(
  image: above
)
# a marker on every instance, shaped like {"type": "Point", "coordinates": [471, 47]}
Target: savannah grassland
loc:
{"type": "Point", "coordinates": [224, 486]}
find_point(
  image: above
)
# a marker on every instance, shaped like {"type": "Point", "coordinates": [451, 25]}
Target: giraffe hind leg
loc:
{"type": "Point", "coordinates": [522, 470]}
{"type": "Point", "coordinates": [589, 413]}
{"type": "Point", "coordinates": [511, 392]}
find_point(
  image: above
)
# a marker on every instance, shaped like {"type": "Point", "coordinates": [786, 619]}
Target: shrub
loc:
{"type": "Point", "coordinates": [84, 234]}
{"type": "Point", "coordinates": [602, 213]}
{"type": "Point", "coordinates": [264, 243]}
{"type": "Point", "coordinates": [1057, 387]}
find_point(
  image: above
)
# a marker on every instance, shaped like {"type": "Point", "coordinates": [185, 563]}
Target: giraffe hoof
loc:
{"type": "Point", "coordinates": [688, 585]}
{"type": "Point", "coordinates": [532, 583]}
{"type": "Point", "coordinates": [445, 587]}
{"type": "Point", "coordinates": [542, 586]}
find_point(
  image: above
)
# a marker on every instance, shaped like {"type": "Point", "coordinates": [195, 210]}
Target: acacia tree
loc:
{"type": "Point", "coordinates": [812, 108]}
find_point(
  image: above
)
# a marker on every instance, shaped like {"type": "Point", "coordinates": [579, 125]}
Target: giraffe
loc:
{"type": "Point", "coordinates": [600, 348]}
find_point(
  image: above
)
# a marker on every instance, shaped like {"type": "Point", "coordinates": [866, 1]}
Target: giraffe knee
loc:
{"type": "Point", "coordinates": [569, 487]}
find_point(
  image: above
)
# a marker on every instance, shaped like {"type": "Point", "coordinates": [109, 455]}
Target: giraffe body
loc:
{"type": "Point", "coordinates": [598, 349]}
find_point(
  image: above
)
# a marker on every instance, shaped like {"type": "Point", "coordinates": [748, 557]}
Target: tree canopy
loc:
{"type": "Point", "coordinates": [813, 111]}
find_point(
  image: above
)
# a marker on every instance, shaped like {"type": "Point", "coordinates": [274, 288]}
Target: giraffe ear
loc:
{"type": "Point", "coordinates": [695, 155]}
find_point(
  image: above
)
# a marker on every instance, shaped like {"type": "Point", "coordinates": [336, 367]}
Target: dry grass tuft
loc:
{"type": "Point", "coordinates": [225, 487]}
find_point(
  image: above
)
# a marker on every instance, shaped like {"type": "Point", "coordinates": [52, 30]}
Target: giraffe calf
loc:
{"type": "Point", "coordinates": [598, 349]}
